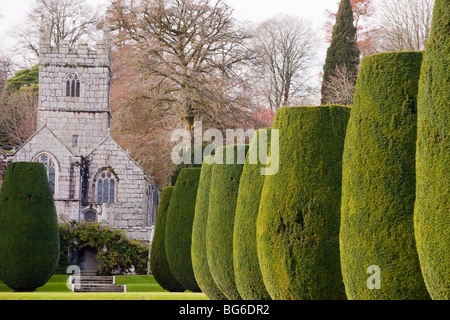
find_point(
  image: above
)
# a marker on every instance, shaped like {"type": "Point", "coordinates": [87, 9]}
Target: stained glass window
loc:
{"type": "Point", "coordinates": [106, 188]}
{"type": "Point", "coordinates": [68, 88]}
{"type": "Point", "coordinates": [73, 86]}
{"type": "Point", "coordinates": [49, 164]}
{"type": "Point", "coordinates": [77, 94]}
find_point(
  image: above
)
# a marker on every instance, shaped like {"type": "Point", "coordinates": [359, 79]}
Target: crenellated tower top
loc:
{"type": "Point", "coordinates": [74, 88]}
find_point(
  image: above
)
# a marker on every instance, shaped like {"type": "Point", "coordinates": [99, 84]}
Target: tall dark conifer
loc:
{"type": "Point", "coordinates": [343, 52]}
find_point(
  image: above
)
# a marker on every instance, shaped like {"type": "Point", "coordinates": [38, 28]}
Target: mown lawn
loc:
{"type": "Point", "coordinates": [138, 288]}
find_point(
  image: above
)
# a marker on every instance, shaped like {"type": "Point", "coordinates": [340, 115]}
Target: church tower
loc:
{"type": "Point", "coordinates": [92, 178]}
{"type": "Point", "coordinates": [74, 91]}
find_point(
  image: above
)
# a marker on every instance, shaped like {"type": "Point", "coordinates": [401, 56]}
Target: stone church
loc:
{"type": "Point", "coordinates": [92, 177]}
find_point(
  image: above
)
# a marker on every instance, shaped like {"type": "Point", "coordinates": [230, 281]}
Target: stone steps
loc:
{"type": "Point", "coordinates": [96, 284]}
{"type": "Point", "coordinates": [100, 288]}
{"type": "Point", "coordinates": [89, 272]}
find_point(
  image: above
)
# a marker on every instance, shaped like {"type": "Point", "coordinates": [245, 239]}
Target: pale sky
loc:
{"type": "Point", "coordinates": [13, 11]}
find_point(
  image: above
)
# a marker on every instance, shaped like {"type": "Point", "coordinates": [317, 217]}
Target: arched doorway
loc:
{"type": "Point", "coordinates": [90, 216]}
{"type": "Point", "coordinates": [88, 261]}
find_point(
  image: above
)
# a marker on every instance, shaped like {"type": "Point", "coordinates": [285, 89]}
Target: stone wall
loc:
{"type": "Point", "coordinates": [130, 208]}
{"type": "Point", "coordinates": [142, 234]}
{"type": "Point", "coordinates": [79, 162]}
{"type": "Point", "coordinates": [89, 127]}
{"type": "Point", "coordinates": [86, 116]}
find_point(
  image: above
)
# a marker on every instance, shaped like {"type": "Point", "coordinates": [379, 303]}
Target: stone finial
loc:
{"type": "Point", "coordinates": [44, 35]}
{"type": "Point", "coordinates": [107, 35]}
{"type": "Point", "coordinates": [104, 214]}
{"type": "Point", "coordinates": [74, 212]}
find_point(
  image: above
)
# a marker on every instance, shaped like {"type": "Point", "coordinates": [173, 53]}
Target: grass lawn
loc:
{"type": "Point", "coordinates": [138, 288]}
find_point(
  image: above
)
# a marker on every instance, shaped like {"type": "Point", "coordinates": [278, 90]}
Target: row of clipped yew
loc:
{"type": "Point", "coordinates": [356, 188]}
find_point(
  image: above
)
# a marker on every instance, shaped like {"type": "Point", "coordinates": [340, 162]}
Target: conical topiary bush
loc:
{"type": "Point", "coordinates": [178, 234]}
{"type": "Point", "coordinates": [432, 218]}
{"type": "Point", "coordinates": [298, 219]}
{"type": "Point", "coordinates": [219, 230]}
{"type": "Point", "coordinates": [198, 248]}
{"type": "Point", "coordinates": [378, 188]}
{"type": "Point", "coordinates": [29, 235]}
{"type": "Point", "coordinates": [249, 282]}
{"type": "Point", "coordinates": [158, 259]}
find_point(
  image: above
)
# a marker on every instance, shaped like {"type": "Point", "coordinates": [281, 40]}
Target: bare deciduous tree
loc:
{"type": "Point", "coordinates": [191, 49]}
{"type": "Point", "coordinates": [6, 66]}
{"type": "Point", "coordinates": [18, 116]}
{"type": "Point", "coordinates": [153, 54]}
{"type": "Point", "coordinates": [342, 86]}
{"type": "Point", "coordinates": [405, 24]}
{"type": "Point", "coordinates": [284, 47]}
{"type": "Point", "coordinates": [68, 20]}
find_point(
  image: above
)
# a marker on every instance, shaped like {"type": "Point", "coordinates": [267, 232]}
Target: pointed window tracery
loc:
{"type": "Point", "coordinates": [73, 86]}
{"type": "Point", "coordinates": [50, 165]}
{"type": "Point", "coordinates": [106, 187]}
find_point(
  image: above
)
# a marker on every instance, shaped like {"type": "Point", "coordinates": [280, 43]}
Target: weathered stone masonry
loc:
{"type": "Point", "coordinates": [93, 178]}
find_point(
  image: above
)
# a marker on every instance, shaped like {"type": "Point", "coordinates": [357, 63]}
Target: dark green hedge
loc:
{"type": "Point", "coordinates": [249, 280]}
{"type": "Point", "coordinates": [29, 237]}
{"type": "Point", "coordinates": [298, 220]}
{"type": "Point", "coordinates": [158, 259]}
{"type": "Point", "coordinates": [219, 231]}
{"type": "Point", "coordinates": [378, 189]}
{"type": "Point", "coordinates": [198, 248]}
{"type": "Point", "coordinates": [64, 247]}
{"type": "Point", "coordinates": [432, 218]}
{"type": "Point", "coordinates": [180, 217]}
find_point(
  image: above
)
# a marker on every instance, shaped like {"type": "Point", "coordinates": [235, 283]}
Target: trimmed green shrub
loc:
{"type": "Point", "coordinates": [219, 231]}
{"type": "Point", "coordinates": [432, 218]}
{"type": "Point", "coordinates": [198, 247]}
{"type": "Point", "coordinates": [180, 217]}
{"type": "Point", "coordinates": [378, 188]}
{"type": "Point", "coordinates": [249, 282]}
{"type": "Point", "coordinates": [298, 220]}
{"type": "Point", "coordinates": [190, 154]}
{"type": "Point", "coordinates": [158, 259]}
{"type": "Point", "coordinates": [29, 238]}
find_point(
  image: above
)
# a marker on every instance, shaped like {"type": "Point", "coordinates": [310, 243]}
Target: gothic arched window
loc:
{"type": "Point", "coordinates": [73, 86]}
{"type": "Point", "coordinates": [106, 187]}
{"type": "Point", "coordinates": [50, 165]}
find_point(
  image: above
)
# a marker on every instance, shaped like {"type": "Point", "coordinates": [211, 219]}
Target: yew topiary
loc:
{"type": "Point", "coordinates": [249, 282]}
{"type": "Point", "coordinates": [378, 188]}
{"type": "Point", "coordinates": [219, 231]}
{"type": "Point", "coordinates": [432, 207]}
{"type": "Point", "coordinates": [178, 233]}
{"type": "Point", "coordinates": [29, 236]}
{"type": "Point", "coordinates": [298, 219]}
{"type": "Point", "coordinates": [158, 259]}
{"type": "Point", "coordinates": [198, 248]}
